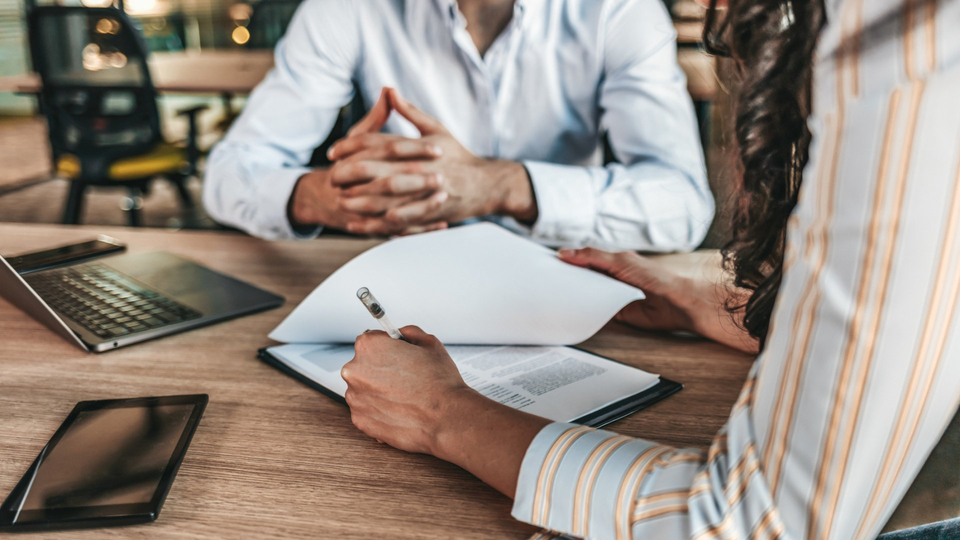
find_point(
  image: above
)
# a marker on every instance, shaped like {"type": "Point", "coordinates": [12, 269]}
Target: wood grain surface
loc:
{"type": "Point", "coordinates": [273, 458]}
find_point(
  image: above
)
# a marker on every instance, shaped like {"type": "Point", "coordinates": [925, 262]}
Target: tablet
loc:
{"type": "Point", "coordinates": [110, 463]}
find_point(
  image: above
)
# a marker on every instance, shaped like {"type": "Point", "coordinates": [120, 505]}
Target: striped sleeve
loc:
{"type": "Point", "coordinates": [580, 482]}
{"type": "Point", "coordinates": [861, 373]}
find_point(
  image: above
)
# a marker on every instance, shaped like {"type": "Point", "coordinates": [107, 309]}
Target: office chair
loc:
{"type": "Point", "coordinates": [101, 107]}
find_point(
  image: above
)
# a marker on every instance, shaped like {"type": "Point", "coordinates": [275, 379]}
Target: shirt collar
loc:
{"type": "Point", "coordinates": [452, 9]}
{"type": "Point", "coordinates": [521, 3]}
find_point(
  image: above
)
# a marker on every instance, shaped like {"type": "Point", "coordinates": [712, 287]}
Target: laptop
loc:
{"type": "Point", "coordinates": [120, 300]}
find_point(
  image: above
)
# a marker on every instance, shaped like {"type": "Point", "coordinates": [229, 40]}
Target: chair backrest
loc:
{"type": "Point", "coordinates": [97, 95]}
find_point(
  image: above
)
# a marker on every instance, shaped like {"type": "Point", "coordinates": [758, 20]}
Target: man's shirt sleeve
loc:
{"type": "Point", "coordinates": [656, 198]}
{"type": "Point", "coordinates": [252, 173]}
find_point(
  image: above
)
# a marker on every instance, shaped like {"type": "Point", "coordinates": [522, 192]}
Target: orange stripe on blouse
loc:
{"type": "Point", "coordinates": [831, 180]}
{"type": "Point", "coordinates": [948, 251]}
{"type": "Point", "coordinates": [722, 530]}
{"type": "Point", "coordinates": [871, 338]}
{"type": "Point", "coordinates": [909, 21]}
{"type": "Point", "coordinates": [634, 476]}
{"type": "Point", "coordinates": [551, 475]}
{"type": "Point", "coordinates": [659, 512]}
{"type": "Point", "coordinates": [768, 527]}
{"type": "Point", "coordinates": [546, 466]}
{"type": "Point", "coordinates": [799, 355]}
{"type": "Point", "coordinates": [867, 336]}
{"type": "Point", "coordinates": [743, 482]}
{"type": "Point", "coordinates": [587, 481]}
{"type": "Point", "coordinates": [659, 498]}
{"type": "Point", "coordinates": [793, 364]}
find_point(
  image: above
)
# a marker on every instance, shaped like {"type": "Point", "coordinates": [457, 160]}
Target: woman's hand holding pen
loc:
{"type": "Point", "coordinates": [400, 391]}
{"type": "Point", "coordinates": [410, 395]}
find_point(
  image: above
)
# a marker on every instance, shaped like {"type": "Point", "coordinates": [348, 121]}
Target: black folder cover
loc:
{"type": "Point", "coordinates": [599, 418]}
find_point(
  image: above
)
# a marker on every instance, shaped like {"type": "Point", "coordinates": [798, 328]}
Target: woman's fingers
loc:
{"type": "Point", "coordinates": [416, 336]}
{"type": "Point", "coordinates": [626, 266]}
{"type": "Point", "coordinates": [596, 259]}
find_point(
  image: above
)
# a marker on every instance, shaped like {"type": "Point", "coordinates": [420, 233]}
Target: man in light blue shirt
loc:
{"type": "Point", "coordinates": [499, 113]}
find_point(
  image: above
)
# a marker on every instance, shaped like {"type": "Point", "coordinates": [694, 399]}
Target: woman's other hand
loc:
{"type": "Point", "coordinates": [673, 302]}
{"type": "Point", "coordinates": [664, 306]}
{"type": "Point", "coordinates": [398, 391]}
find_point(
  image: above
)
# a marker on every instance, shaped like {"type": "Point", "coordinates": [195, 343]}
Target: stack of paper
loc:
{"type": "Point", "coordinates": [478, 284]}
{"type": "Point", "coordinates": [487, 292]}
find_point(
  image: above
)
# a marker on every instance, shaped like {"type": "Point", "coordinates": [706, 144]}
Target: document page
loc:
{"type": "Point", "coordinates": [473, 285]}
{"type": "Point", "coordinates": [558, 383]}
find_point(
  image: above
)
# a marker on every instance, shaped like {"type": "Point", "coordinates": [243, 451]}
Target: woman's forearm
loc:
{"type": "Point", "coordinates": [486, 438]}
{"type": "Point", "coordinates": [705, 303]}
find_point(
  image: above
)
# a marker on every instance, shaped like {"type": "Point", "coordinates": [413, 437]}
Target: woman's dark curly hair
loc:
{"type": "Point", "coordinates": [772, 44]}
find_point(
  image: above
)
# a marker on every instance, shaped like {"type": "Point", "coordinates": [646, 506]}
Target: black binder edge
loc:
{"type": "Point", "coordinates": [599, 418]}
{"type": "Point", "coordinates": [264, 354]}
{"type": "Point", "coordinates": [630, 404]}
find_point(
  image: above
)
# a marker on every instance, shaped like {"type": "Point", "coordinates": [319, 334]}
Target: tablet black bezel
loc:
{"type": "Point", "coordinates": [104, 515]}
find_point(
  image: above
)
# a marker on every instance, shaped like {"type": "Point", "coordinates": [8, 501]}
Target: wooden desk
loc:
{"type": "Point", "coordinates": [209, 72]}
{"type": "Point", "coordinates": [273, 457]}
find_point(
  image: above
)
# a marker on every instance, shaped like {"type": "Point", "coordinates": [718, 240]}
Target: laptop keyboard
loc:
{"type": "Point", "coordinates": [106, 302]}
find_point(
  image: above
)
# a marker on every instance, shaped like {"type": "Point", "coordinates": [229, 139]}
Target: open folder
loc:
{"type": "Point", "coordinates": [504, 307]}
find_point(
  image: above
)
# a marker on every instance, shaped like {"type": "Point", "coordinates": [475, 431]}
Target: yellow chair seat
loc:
{"type": "Point", "coordinates": [163, 159]}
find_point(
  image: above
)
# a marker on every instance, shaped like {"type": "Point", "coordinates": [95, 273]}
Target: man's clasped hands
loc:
{"type": "Point", "coordinates": [388, 185]}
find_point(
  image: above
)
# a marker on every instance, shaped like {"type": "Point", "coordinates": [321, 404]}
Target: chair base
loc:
{"type": "Point", "coordinates": [132, 204]}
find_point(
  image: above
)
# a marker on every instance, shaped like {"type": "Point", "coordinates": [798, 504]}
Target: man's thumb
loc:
{"type": "Point", "coordinates": [426, 124]}
{"type": "Point", "coordinates": [376, 118]}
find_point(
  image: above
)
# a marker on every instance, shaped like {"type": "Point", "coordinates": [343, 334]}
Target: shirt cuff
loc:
{"type": "Point", "coordinates": [583, 482]}
{"type": "Point", "coordinates": [565, 202]}
{"type": "Point", "coordinates": [274, 193]}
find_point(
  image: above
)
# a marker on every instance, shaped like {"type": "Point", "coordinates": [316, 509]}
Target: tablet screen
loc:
{"type": "Point", "coordinates": [109, 460]}
{"type": "Point", "coordinates": [110, 456]}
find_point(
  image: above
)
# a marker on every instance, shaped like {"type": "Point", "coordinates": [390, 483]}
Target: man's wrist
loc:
{"type": "Point", "coordinates": [294, 208]}
{"type": "Point", "coordinates": [515, 195]}
{"type": "Point", "coordinates": [304, 210]}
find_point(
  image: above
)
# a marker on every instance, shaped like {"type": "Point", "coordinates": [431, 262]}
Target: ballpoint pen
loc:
{"type": "Point", "coordinates": [376, 309]}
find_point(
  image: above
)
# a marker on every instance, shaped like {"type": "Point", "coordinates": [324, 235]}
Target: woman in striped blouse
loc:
{"type": "Point", "coordinates": [859, 370]}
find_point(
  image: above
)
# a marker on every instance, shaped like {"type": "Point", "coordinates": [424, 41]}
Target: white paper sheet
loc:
{"type": "Point", "coordinates": [558, 383]}
{"type": "Point", "coordinates": [478, 284]}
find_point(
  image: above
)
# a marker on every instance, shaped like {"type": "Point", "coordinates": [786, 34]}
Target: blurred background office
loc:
{"type": "Point", "coordinates": [201, 58]}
